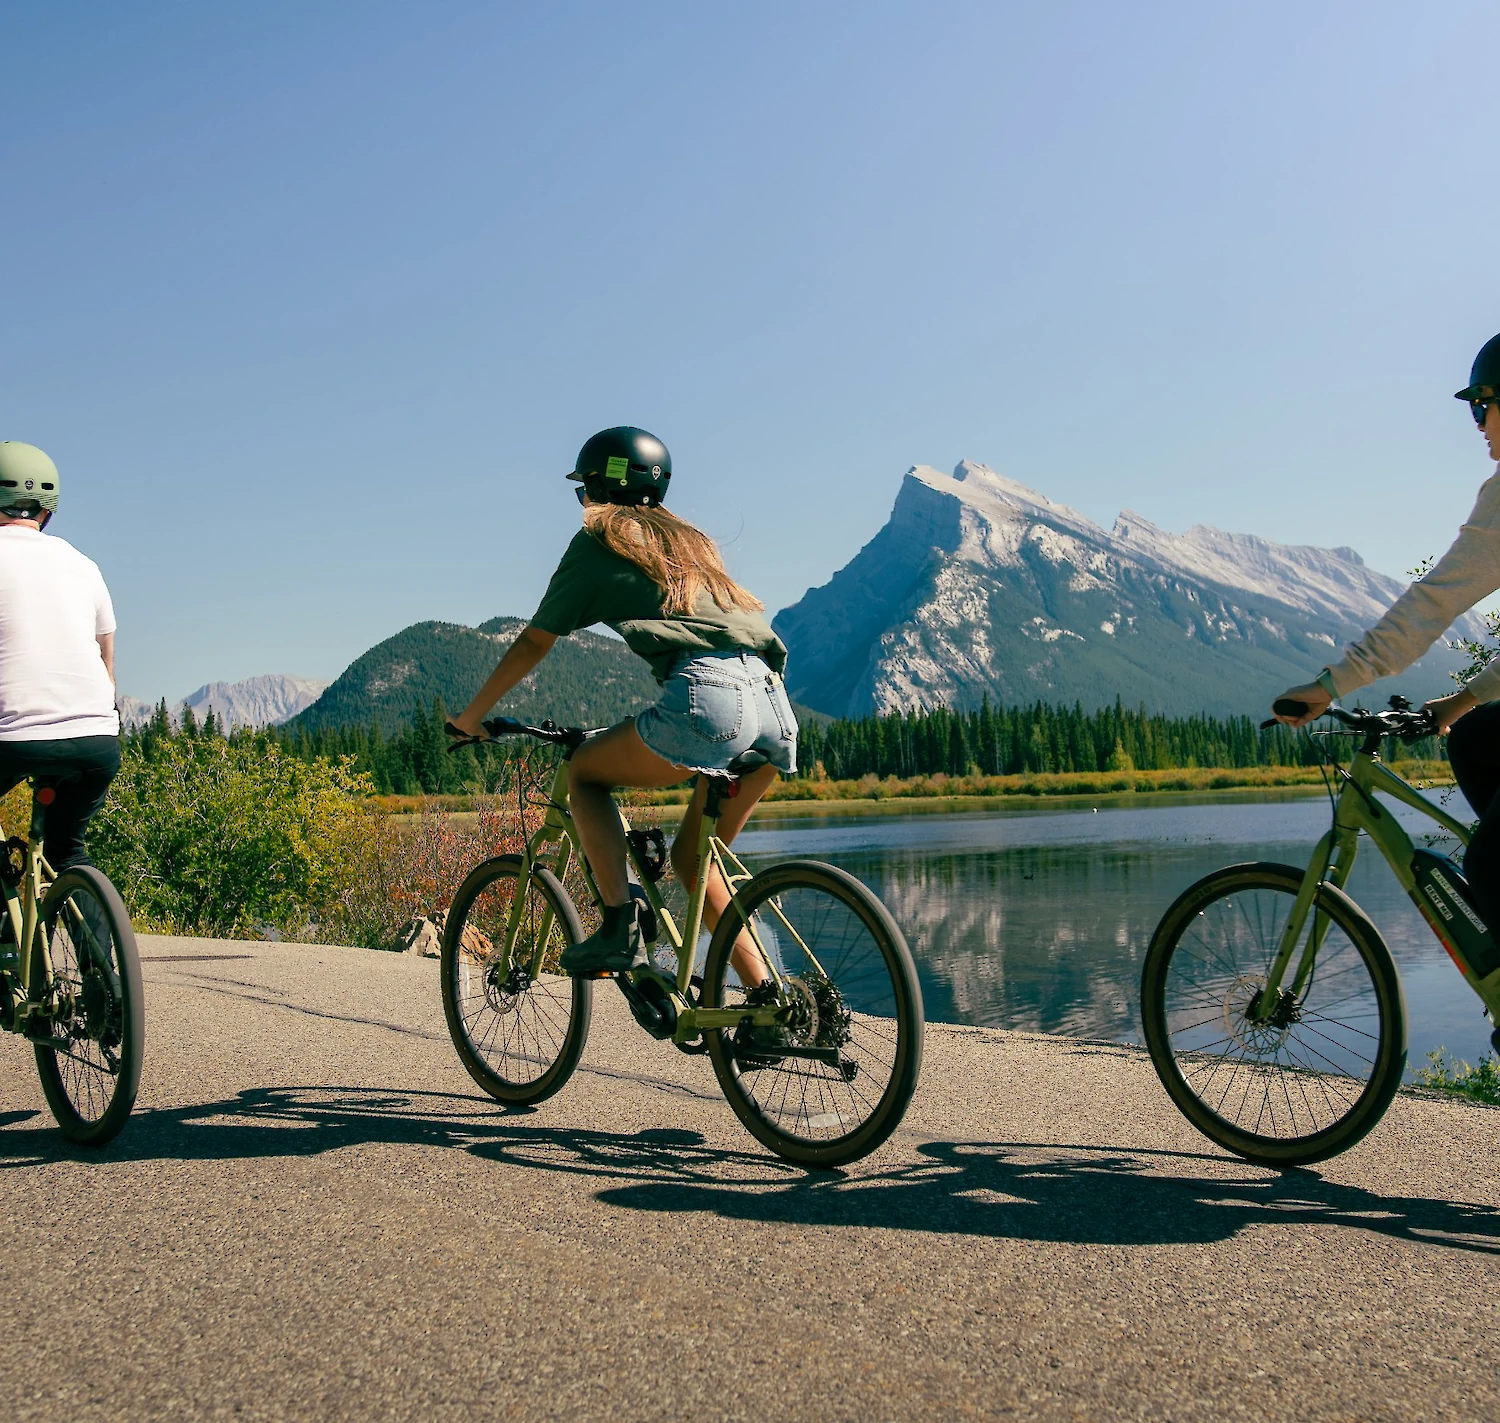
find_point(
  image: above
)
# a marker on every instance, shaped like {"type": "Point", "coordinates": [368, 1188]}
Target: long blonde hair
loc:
{"type": "Point", "coordinates": [682, 561]}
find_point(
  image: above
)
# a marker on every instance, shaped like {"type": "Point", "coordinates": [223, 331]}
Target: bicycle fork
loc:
{"type": "Point", "coordinates": [1332, 860]}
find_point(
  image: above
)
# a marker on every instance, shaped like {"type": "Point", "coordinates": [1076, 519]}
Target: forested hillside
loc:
{"type": "Point", "coordinates": [586, 679]}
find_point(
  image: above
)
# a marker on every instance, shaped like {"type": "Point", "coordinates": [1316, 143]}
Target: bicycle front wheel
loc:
{"type": "Point", "coordinates": [90, 1065]}
{"type": "Point", "coordinates": [1312, 1080]}
{"type": "Point", "coordinates": [832, 1081]}
{"type": "Point", "coordinates": [520, 1027]}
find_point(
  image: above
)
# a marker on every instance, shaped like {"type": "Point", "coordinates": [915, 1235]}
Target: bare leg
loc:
{"type": "Point", "coordinates": [617, 757]}
{"type": "Point", "coordinates": [746, 958]}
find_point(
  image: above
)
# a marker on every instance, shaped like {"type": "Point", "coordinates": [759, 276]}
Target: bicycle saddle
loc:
{"type": "Point", "coordinates": [746, 762]}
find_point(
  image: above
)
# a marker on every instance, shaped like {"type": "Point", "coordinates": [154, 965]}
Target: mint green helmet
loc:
{"type": "Point", "coordinates": [28, 478]}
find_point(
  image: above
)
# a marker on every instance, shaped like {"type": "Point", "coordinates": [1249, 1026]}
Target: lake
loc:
{"type": "Point", "coordinates": [1037, 916]}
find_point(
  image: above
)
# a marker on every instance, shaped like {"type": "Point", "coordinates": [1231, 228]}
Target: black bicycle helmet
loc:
{"type": "Point", "coordinates": [623, 466]}
{"type": "Point", "coordinates": [1484, 379]}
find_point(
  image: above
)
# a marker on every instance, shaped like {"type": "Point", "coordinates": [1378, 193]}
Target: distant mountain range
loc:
{"type": "Point", "coordinates": [257, 701]}
{"type": "Point", "coordinates": [978, 586]}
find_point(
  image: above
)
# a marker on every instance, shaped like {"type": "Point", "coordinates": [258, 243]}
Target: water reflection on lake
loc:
{"type": "Point", "coordinates": [1037, 917]}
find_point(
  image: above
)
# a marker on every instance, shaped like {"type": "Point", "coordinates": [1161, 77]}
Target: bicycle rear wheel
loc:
{"type": "Point", "coordinates": [91, 1065]}
{"type": "Point", "coordinates": [519, 1034]}
{"type": "Point", "coordinates": [832, 1081]}
{"type": "Point", "coordinates": [1312, 1081]}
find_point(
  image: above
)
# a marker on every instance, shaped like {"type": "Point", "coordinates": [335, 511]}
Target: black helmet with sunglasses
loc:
{"type": "Point", "coordinates": [1484, 380]}
{"type": "Point", "coordinates": [623, 466]}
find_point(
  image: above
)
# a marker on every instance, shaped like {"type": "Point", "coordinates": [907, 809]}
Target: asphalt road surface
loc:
{"type": "Point", "coordinates": [314, 1214]}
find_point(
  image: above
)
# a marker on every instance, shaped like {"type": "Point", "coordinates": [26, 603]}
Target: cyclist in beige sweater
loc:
{"type": "Point", "coordinates": [1467, 573]}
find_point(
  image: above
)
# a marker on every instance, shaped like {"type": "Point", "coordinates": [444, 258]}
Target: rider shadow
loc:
{"type": "Point", "coordinates": [1074, 1194]}
{"type": "Point", "coordinates": [1009, 1190]}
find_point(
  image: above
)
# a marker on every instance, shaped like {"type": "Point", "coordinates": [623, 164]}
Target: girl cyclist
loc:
{"type": "Point", "coordinates": [661, 584]}
{"type": "Point", "coordinates": [1468, 572]}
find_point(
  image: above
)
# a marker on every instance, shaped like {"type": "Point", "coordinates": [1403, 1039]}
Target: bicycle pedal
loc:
{"type": "Point", "coordinates": [645, 915]}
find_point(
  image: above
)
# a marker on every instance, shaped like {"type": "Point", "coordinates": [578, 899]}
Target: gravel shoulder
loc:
{"type": "Point", "coordinates": [314, 1214]}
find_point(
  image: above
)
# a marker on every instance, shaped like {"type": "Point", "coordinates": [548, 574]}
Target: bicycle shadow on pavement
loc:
{"type": "Point", "coordinates": [1080, 1194]}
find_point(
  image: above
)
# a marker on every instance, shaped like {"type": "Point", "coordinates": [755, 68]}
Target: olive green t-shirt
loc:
{"type": "Point", "coordinates": [593, 584]}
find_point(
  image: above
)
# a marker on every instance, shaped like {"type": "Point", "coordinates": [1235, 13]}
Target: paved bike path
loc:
{"type": "Point", "coordinates": [315, 1215]}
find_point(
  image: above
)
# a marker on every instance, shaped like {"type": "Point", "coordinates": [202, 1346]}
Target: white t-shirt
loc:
{"type": "Point", "coordinates": [53, 605]}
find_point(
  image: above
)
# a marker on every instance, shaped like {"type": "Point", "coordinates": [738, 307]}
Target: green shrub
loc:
{"type": "Point", "coordinates": [207, 836]}
{"type": "Point", "coordinates": [1482, 1083]}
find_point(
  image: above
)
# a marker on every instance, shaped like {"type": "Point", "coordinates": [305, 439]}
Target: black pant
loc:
{"type": "Point", "coordinates": [1474, 750]}
{"type": "Point", "coordinates": [82, 768]}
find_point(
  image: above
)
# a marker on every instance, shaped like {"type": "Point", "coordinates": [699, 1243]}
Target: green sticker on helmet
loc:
{"type": "Point", "coordinates": [618, 467]}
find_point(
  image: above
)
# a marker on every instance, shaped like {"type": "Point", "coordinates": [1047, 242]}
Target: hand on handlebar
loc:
{"type": "Point", "coordinates": [460, 727]}
{"type": "Point", "coordinates": [1444, 711]}
{"type": "Point", "coordinates": [1313, 697]}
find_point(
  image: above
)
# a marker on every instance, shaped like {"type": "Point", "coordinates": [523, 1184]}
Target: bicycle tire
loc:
{"type": "Point", "coordinates": [529, 1057]}
{"type": "Point", "coordinates": [90, 1099]}
{"type": "Point", "coordinates": [1344, 1070]}
{"type": "Point", "coordinates": [865, 956]}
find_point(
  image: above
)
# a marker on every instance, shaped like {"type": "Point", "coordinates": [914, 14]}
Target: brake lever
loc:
{"type": "Point", "coordinates": [1421, 725]}
{"type": "Point", "coordinates": [461, 738]}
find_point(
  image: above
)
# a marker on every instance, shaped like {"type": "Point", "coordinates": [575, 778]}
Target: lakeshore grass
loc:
{"type": "Point", "coordinates": [1443, 1074]}
{"type": "Point", "coordinates": [976, 789]}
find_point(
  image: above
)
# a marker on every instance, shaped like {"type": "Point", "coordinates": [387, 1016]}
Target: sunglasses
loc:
{"type": "Point", "coordinates": [1480, 410]}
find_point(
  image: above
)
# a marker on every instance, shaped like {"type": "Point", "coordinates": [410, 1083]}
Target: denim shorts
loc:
{"type": "Point", "coordinates": [715, 705]}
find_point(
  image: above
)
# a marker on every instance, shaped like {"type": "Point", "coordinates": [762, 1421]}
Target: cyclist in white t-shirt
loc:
{"type": "Point", "coordinates": [57, 651]}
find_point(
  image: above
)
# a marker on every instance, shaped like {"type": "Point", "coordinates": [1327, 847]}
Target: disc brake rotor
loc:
{"type": "Point", "coordinates": [1259, 1039]}
{"type": "Point", "coordinates": [503, 991]}
{"type": "Point", "coordinates": [801, 1024]}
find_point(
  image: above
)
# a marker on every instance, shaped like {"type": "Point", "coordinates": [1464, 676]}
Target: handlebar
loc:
{"type": "Point", "coordinates": [1403, 720]}
{"type": "Point", "coordinates": [570, 737]}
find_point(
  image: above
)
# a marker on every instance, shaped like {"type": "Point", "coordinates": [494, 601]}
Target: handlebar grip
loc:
{"type": "Point", "coordinates": [459, 738]}
{"type": "Point", "coordinates": [503, 726]}
{"type": "Point", "coordinates": [1286, 706]}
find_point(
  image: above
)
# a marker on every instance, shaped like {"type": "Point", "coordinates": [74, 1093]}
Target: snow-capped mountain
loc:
{"type": "Point", "coordinates": [257, 701]}
{"type": "Point", "coordinates": [978, 586]}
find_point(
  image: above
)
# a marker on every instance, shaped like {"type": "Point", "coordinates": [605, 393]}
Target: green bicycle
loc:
{"type": "Point", "coordinates": [818, 1058]}
{"type": "Point", "coordinates": [1273, 1010]}
{"type": "Point", "coordinates": [70, 984]}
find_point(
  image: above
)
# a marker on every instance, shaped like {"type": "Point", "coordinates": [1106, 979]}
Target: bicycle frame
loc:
{"type": "Point", "coordinates": [30, 969]}
{"type": "Point", "coordinates": [558, 828]}
{"type": "Point", "coordinates": [1356, 810]}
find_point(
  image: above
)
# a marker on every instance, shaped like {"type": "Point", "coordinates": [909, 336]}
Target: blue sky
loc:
{"type": "Point", "coordinates": [315, 304]}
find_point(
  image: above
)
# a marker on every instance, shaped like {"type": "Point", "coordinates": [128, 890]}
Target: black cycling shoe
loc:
{"type": "Point", "coordinates": [614, 948]}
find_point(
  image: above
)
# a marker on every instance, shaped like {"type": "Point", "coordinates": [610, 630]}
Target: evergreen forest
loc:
{"type": "Point", "coordinates": [1038, 738]}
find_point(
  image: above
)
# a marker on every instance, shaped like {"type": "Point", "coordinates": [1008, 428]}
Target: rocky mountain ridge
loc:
{"type": "Point", "coordinates": [267, 700]}
{"type": "Point", "coordinates": [980, 586]}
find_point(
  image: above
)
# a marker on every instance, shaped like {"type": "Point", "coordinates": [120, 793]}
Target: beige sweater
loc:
{"type": "Point", "coordinates": [1469, 571]}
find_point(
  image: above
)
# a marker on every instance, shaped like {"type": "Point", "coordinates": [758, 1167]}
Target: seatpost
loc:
{"type": "Point", "coordinates": [41, 798]}
{"type": "Point", "coordinates": [720, 789]}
